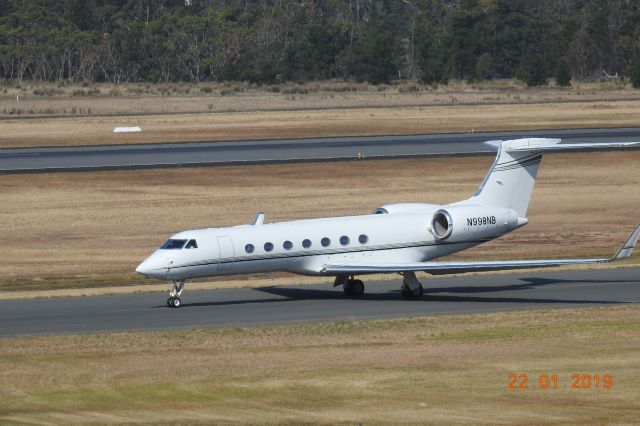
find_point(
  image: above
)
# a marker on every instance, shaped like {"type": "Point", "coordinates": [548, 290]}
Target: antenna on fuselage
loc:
{"type": "Point", "coordinates": [259, 220]}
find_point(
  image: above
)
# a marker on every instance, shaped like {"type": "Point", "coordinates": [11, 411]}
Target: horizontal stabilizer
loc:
{"type": "Point", "coordinates": [441, 268]}
{"type": "Point", "coordinates": [547, 144]}
{"type": "Point", "coordinates": [510, 180]}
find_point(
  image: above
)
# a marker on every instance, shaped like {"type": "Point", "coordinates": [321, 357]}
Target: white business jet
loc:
{"type": "Point", "coordinates": [396, 238]}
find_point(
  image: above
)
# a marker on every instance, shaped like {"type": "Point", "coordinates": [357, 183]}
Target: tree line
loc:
{"type": "Point", "coordinates": [273, 41]}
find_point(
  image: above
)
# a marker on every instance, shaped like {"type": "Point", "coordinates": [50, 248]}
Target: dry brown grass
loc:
{"type": "Point", "coordinates": [447, 369]}
{"type": "Point", "coordinates": [91, 229]}
{"type": "Point", "coordinates": [107, 99]}
{"type": "Point", "coordinates": [315, 123]}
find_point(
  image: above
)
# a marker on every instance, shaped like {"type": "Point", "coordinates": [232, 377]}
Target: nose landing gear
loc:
{"type": "Point", "coordinates": [174, 295]}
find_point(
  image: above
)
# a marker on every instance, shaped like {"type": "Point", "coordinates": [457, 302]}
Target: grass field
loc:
{"type": "Point", "coordinates": [73, 230]}
{"type": "Point", "coordinates": [195, 114]}
{"type": "Point", "coordinates": [144, 99]}
{"type": "Point", "coordinates": [443, 369]}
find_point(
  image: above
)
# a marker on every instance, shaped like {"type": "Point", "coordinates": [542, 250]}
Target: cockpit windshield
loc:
{"type": "Point", "coordinates": [191, 244]}
{"type": "Point", "coordinates": [173, 244]}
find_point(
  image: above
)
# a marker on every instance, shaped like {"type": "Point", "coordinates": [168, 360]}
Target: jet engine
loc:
{"type": "Point", "coordinates": [472, 223]}
{"type": "Point", "coordinates": [405, 208]}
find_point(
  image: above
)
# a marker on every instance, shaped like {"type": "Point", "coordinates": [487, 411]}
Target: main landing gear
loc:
{"type": "Point", "coordinates": [353, 287]}
{"type": "Point", "coordinates": [411, 287]}
{"type": "Point", "coordinates": [174, 295]}
{"type": "Point", "coordinates": [350, 286]}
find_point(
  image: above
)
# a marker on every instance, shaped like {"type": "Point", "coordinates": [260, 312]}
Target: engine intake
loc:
{"type": "Point", "coordinates": [442, 224]}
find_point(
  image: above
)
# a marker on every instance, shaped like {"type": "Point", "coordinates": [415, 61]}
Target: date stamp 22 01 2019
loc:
{"type": "Point", "coordinates": [553, 381]}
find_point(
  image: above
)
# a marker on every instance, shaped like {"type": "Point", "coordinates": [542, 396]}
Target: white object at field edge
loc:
{"type": "Point", "coordinates": [127, 129]}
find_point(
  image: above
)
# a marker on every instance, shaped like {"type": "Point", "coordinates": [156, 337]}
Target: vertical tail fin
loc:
{"type": "Point", "coordinates": [510, 181]}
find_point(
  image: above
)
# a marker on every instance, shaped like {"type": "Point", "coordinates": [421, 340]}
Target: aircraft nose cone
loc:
{"type": "Point", "coordinates": [155, 266]}
{"type": "Point", "coordinates": [143, 268]}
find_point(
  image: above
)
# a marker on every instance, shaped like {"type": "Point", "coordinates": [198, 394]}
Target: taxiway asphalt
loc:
{"type": "Point", "coordinates": [113, 157]}
{"type": "Point", "coordinates": [319, 303]}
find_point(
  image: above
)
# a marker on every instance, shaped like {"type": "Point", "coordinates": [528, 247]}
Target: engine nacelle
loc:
{"type": "Point", "coordinates": [473, 223]}
{"type": "Point", "coordinates": [407, 208]}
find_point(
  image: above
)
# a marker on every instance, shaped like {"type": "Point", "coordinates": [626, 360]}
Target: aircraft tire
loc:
{"type": "Point", "coordinates": [418, 293]}
{"type": "Point", "coordinates": [347, 287]}
{"type": "Point", "coordinates": [177, 302]}
{"type": "Point", "coordinates": [170, 302]}
{"type": "Point", "coordinates": [407, 293]}
{"type": "Point", "coordinates": [358, 287]}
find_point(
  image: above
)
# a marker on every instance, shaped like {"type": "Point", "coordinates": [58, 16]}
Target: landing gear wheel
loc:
{"type": "Point", "coordinates": [176, 289]}
{"type": "Point", "coordinates": [358, 287]}
{"type": "Point", "coordinates": [418, 292]}
{"type": "Point", "coordinates": [353, 288]}
{"type": "Point", "coordinates": [407, 293]}
{"type": "Point", "coordinates": [347, 287]}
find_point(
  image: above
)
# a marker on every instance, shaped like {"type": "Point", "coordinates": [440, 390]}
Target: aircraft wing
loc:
{"type": "Point", "coordinates": [442, 268]}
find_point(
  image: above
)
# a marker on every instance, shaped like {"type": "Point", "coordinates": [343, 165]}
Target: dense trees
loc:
{"type": "Point", "coordinates": [563, 76]}
{"type": "Point", "coordinates": [268, 41]}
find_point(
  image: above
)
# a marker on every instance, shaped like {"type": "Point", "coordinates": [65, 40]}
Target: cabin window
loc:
{"type": "Point", "coordinates": [288, 245]}
{"type": "Point", "coordinates": [325, 242]}
{"type": "Point", "coordinates": [344, 240]}
{"type": "Point", "coordinates": [306, 243]}
{"type": "Point", "coordinates": [249, 248]}
{"type": "Point", "coordinates": [173, 244]}
{"type": "Point", "coordinates": [268, 246]}
{"type": "Point", "coordinates": [191, 244]}
{"type": "Point", "coordinates": [363, 239]}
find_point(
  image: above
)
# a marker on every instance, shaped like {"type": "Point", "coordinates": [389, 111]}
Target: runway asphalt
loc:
{"type": "Point", "coordinates": [318, 303]}
{"type": "Point", "coordinates": [32, 160]}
